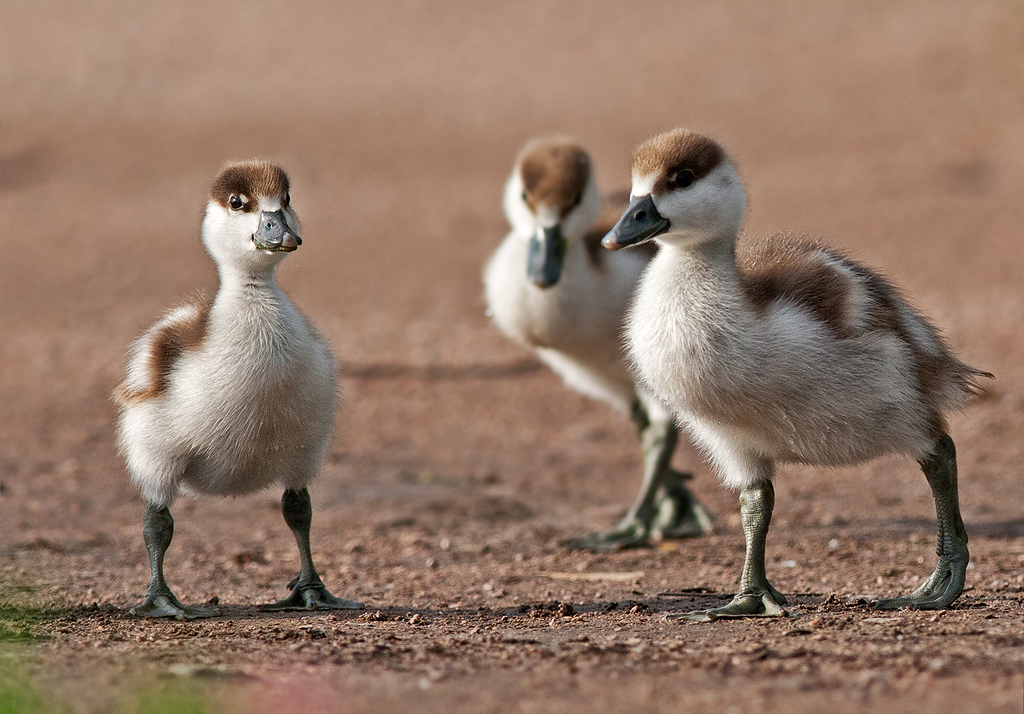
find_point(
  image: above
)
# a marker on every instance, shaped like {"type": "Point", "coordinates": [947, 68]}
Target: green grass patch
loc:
{"type": "Point", "coordinates": [21, 626]}
{"type": "Point", "coordinates": [174, 699]}
{"type": "Point", "coordinates": [17, 695]}
{"type": "Point", "coordinates": [24, 624]}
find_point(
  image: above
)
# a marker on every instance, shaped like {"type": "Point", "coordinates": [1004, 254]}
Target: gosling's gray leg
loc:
{"type": "Point", "coordinates": [664, 506]}
{"type": "Point", "coordinates": [308, 590]}
{"type": "Point", "coordinates": [757, 597]}
{"type": "Point", "coordinates": [158, 530]}
{"type": "Point", "coordinates": [944, 586]}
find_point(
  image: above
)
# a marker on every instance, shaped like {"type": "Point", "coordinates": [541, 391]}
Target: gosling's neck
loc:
{"type": "Point", "coordinates": [704, 265]}
{"type": "Point", "coordinates": [252, 307]}
{"type": "Point", "coordinates": [696, 293]}
{"type": "Point", "coordinates": [254, 281]}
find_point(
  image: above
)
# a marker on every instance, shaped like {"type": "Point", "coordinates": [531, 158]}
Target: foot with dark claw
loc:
{"type": "Point", "coordinates": [754, 602]}
{"type": "Point", "coordinates": [677, 514]}
{"type": "Point", "coordinates": [311, 595]}
{"type": "Point", "coordinates": [631, 532]}
{"type": "Point", "coordinates": [158, 530]}
{"type": "Point", "coordinates": [163, 604]}
{"type": "Point", "coordinates": [757, 597]}
{"type": "Point", "coordinates": [939, 591]}
{"type": "Point", "coordinates": [308, 590]}
{"type": "Point", "coordinates": [944, 585]}
{"type": "Point", "coordinates": [665, 507]}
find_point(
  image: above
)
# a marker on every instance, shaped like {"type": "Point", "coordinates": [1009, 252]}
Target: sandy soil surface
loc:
{"type": "Point", "coordinates": [892, 130]}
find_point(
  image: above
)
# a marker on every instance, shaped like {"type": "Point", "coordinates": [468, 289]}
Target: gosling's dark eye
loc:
{"type": "Point", "coordinates": [578, 200]}
{"type": "Point", "coordinates": [682, 179]}
{"type": "Point", "coordinates": [235, 202]}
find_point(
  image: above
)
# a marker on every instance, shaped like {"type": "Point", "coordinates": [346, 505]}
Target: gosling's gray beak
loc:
{"type": "Point", "coordinates": [640, 222]}
{"type": "Point", "coordinates": [274, 233]}
{"type": "Point", "coordinates": [546, 256]}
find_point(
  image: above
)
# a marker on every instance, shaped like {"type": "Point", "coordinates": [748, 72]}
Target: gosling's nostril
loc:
{"type": "Point", "coordinates": [640, 216]}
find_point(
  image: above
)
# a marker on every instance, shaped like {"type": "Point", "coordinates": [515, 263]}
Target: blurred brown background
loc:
{"type": "Point", "coordinates": [894, 130]}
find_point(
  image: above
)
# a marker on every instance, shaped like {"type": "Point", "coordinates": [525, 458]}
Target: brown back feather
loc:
{"type": "Point", "coordinates": [787, 268]}
{"type": "Point", "coordinates": [166, 346]}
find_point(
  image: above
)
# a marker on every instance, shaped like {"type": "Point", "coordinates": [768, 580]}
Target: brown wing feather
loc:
{"type": "Point", "coordinates": [165, 343]}
{"type": "Point", "coordinates": [785, 267]}
{"type": "Point", "coordinates": [804, 272]}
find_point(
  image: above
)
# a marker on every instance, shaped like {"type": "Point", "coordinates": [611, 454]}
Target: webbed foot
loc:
{"type": "Point", "coordinates": [757, 597]}
{"type": "Point", "coordinates": [311, 595]}
{"type": "Point", "coordinates": [158, 530]}
{"type": "Point", "coordinates": [679, 513]}
{"type": "Point", "coordinates": [766, 602]}
{"type": "Point", "coordinates": [631, 532]}
{"type": "Point", "coordinates": [164, 604]}
{"type": "Point", "coordinates": [939, 591]}
{"type": "Point", "coordinates": [944, 586]}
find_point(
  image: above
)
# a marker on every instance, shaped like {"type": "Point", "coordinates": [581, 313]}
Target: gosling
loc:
{"type": "Point", "coordinates": [235, 395]}
{"type": "Point", "coordinates": [787, 351]}
{"type": "Point", "coordinates": [551, 288]}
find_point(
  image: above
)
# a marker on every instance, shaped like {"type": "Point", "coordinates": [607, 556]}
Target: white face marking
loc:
{"type": "Point", "coordinates": [642, 185]}
{"type": "Point", "coordinates": [713, 207]}
{"type": "Point", "coordinates": [516, 209]}
{"type": "Point", "coordinates": [227, 233]}
{"type": "Point", "coordinates": [547, 216]}
{"type": "Point", "coordinates": [270, 203]}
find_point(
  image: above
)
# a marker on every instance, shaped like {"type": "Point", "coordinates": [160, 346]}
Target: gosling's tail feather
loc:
{"type": "Point", "coordinates": [968, 379]}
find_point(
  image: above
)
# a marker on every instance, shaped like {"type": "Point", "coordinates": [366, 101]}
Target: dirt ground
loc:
{"type": "Point", "coordinates": [894, 130]}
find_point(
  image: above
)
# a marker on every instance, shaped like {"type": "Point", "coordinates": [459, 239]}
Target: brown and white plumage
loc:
{"type": "Point", "coordinates": [552, 288]}
{"type": "Point", "coordinates": [238, 394]}
{"type": "Point", "coordinates": [782, 350]}
{"type": "Point", "coordinates": [233, 395]}
{"type": "Point", "coordinates": [575, 322]}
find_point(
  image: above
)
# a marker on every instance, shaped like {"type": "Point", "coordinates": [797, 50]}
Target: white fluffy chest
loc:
{"type": "Point", "coordinates": [251, 405]}
{"type": "Point", "coordinates": [672, 334]}
{"type": "Point", "coordinates": [260, 380]}
{"type": "Point", "coordinates": [776, 383]}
